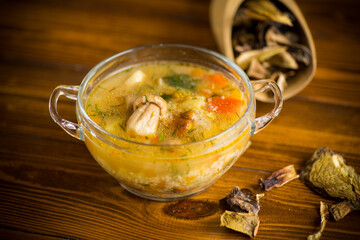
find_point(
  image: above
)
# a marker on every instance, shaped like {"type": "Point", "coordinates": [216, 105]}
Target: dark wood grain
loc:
{"type": "Point", "coordinates": [51, 187]}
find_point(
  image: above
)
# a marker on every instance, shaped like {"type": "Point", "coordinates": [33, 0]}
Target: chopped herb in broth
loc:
{"type": "Point", "coordinates": [181, 80]}
{"type": "Point", "coordinates": [166, 103]}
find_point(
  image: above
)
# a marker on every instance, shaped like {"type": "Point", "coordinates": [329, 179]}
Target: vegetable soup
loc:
{"type": "Point", "coordinates": [166, 103]}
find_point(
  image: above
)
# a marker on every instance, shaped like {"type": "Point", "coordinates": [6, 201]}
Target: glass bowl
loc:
{"type": "Point", "coordinates": [165, 172]}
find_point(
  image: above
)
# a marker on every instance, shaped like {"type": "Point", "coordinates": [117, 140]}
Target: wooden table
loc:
{"type": "Point", "coordinates": [50, 186]}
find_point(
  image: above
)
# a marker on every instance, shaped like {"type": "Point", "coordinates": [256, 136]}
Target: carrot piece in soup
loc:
{"type": "Point", "coordinates": [217, 80]}
{"type": "Point", "coordinates": [223, 105]}
{"type": "Point", "coordinates": [156, 139]}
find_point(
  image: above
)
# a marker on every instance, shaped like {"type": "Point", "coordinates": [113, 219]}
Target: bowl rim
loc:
{"type": "Point", "coordinates": [233, 66]}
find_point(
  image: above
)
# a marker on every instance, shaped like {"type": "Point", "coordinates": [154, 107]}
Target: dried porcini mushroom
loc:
{"type": "Point", "coordinates": [265, 10]}
{"type": "Point", "coordinates": [301, 53]}
{"type": "Point", "coordinates": [280, 79]}
{"type": "Point", "coordinates": [247, 223]}
{"type": "Point", "coordinates": [284, 60]}
{"type": "Point", "coordinates": [279, 178]}
{"type": "Point", "coordinates": [244, 208]}
{"type": "Point", "coordinates": [340, 210]}
{"type": "Point", "coordinates": [244, 59]}
{"type": "Point", "coordinates": [242, 200]}
{"type": "Point", "coordinates": [324, 213]}
{"type": "Point", "coordinates": [273, 37]}
{"type": "Point", "coordinates": [327, 173]}
{"type": "Point", "coordinates": [268, 32]}
{"type": "Point", "coordinates": [257, 70]}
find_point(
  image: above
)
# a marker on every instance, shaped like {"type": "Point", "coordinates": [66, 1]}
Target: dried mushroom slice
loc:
{"type": "Point", "coordinates": [284, 60]}
{"type": "Point", "coordinates": [257, 70]}
{"type": "Point", "coordinates": [301, 53]}
{"type": "Point", "coordinates": [244, 59]}
{"type": "Point", "coordinates": [247, 223]}
{"type": "Point", "coordinates": [279, 178]}
{"type": "Point", "coordinates": [273, 37]}
{"type": "Point", "coordinates": [242, 200]}
{"type": "Point", "coordinates": [340, 210]}
{"type": "Point", "coordinates": [265, 10]}
{"type": "Point", "coordinates": [327, 173]}
{"type": "Point", "coordinates": [324, 213]}
{"type": "Point", "coordinates": [280, 79]}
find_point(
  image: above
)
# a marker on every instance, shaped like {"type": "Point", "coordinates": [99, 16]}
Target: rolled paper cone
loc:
{"type": "Point", "coordinates": [222, 13]}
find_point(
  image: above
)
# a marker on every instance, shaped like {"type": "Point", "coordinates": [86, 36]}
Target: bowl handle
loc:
{"type": "Point", "coordinates": [70, 92]}
{"type": "Point", "coordinates": [259, 86]}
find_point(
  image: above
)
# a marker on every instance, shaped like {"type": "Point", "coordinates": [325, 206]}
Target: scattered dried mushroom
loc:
{"type": "Point", "coordinates": [247, 223]}
{"type": "Point", "coordinates": [324, 213]}
{"type": "Point", "coordinates": [340, 210]}
{"type": "Point", "coordinates": [279, 178]}
{"type": "Point", "coordinates": [270, 34]}
{"type": "Point", "coordinates": [245, 205]}
{"type": "Point", "coordinates": [327, 173]}
{"type": "Point", "coordinates": [242, 200]}
{"type": "Point", "coordinates": [244, 209]}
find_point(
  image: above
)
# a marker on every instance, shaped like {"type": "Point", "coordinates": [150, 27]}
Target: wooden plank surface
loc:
{"type": "Point", "coordinates": [51, 188]}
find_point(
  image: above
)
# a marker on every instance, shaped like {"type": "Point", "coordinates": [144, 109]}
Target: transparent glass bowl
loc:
{"type": "Point", "coordinates": [165, 172]}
